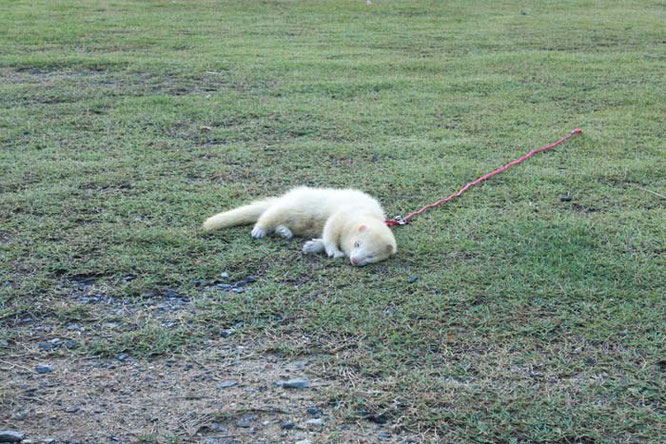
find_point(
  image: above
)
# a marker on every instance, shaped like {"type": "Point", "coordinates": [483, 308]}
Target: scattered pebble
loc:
{"type": "Point", "coordinates": [384, 435]}
{"type": "Point", "coordinates": [288, 425]}
{"type": "Point", "coordinates": [122, 357]}
{"type": "Point", "coordinates": [226, 384]}
{"type": "Point", "coordinates": [217, 427]}
{"type": "Point", "coordinates": [43, 369]}
{"type": "Point", "coordinates": [566, 198]}
{"type": "Point", "coordinates": [172, 294]}
{"type": "Point", "coordinates": [11, 436]}
{"type": "Point", "coordinates": [412, 279]}
{"type": "Point", "coordinates": [228, 332]}
{"type": "Point", "coordinates": [244, 422]}
{"type": "Point", "coordinates": [294, 384]}
{"type": "Point", "coordinates": [129, 277]}
{"type": "Point", "coordinates": [71, 409]}
{"type": "Point", "coordinates": [46, 346]}
{"type": "Point", "coordinates": [314, 423]}
{"type": "Point", "coordinates": [70, 343]}
{"type": "Point", "coordinates": [224, 275]}
{"type": "Point", "coordinates": [314, 412]}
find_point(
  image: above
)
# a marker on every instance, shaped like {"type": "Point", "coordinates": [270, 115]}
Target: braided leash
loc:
{"type": "Point", "coordinates": [404, 220]}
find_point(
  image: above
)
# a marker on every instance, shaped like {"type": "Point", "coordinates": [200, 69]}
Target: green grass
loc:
{"type": "Point", "coordinates": [123, 125]}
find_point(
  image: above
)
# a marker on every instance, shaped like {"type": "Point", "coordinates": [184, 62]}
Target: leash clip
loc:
{"type": "Point", "coordinates": [400, 220]}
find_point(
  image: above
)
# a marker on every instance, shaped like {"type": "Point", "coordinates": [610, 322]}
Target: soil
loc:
{"type": "Point", "coordinates": [225, 393]}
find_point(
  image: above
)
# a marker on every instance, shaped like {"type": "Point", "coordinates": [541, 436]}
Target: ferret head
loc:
{"type": "Point", "coordinates": [371, 242]}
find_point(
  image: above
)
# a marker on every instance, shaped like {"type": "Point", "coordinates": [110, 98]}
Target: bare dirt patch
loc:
{"type": "Point", "coordinates": [224, 393]}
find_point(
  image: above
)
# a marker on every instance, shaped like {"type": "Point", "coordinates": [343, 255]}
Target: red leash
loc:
{"type": "Point", "coordinates": [400, 220]}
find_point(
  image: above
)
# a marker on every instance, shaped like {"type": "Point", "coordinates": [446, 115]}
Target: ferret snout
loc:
{"type": "Point", "coordinates": [354, 260]}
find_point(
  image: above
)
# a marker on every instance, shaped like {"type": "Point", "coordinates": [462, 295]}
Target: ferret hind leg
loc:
{"type": "Point", "coordinates": [284, 232]}
{"type": "Point", "coordinates": [272, 220]}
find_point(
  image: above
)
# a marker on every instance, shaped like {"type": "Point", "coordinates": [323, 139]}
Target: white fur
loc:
{"type": "Point", "coordinates": [341, 222]}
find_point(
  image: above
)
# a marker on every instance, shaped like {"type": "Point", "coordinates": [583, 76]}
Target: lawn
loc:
{"type": "Point", "coordinates": [530, 310]}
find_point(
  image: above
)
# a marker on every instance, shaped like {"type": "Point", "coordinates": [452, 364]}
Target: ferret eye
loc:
{"type": "Point", "coordinates": [357, 244]}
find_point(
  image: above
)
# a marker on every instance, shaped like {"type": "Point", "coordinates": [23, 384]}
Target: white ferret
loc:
{"type": "Point", "coordinates": [341, 222]}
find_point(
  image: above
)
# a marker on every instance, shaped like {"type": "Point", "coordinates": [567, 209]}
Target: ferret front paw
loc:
{"type": "Point", "coordinates": [258, 232]}
{"type": "Point", "coordinates": [333, 252]}
{"type": "Point", "coordinates": [284, 232]}
{"type": "Point", "coordinates": [313, 246]}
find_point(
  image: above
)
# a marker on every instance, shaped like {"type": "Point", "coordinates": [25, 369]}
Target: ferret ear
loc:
{"type": "Point", "coordinates": [361, 228]}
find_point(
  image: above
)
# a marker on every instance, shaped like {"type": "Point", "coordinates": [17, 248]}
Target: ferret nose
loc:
{"type": "Point", "coordinates": [354, 261]}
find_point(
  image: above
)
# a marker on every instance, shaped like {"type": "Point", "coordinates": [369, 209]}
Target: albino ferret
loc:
{"type": "Point", "coordinates": [341, 222]}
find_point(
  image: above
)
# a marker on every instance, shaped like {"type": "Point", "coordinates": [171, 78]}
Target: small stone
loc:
{"type": "Point", "coordinates": [217, 427]}
{"type": "Point", "coordinates": [71, 409]}
{"type": "Point", "coordinates": [129, 277]}
{"type": "Point", "coordinates": [11, 436]}
{"type": "Point", "coordinates": [172, 294]}
{"type": "Point", "coordinates": [70, 343]}
{"type": "Point", "coordinates": [228, 332]}
{"type": "Point", "coordinates": [412, 279]}
{"type": "Point", "coordinates": [384, 435]}
{"type": "Point", "coordinates": [566, 198]}
{"type": "Point", "coordinates": [244, 422]}
{"type": "Point", "coordinates": [314, 423]}
{"type": "Point", "coordinates": [46, 346]}
{"type": "Point", "coordinates": [224, 275]}
{"type": "Point", "coordinates": [314, 412]}
{"type": "Point", "coordinates": [304, 441]}
{"type": "Point", "coordinates": [226, 384]}
{"type": "Point", "coordinates": [288, 425]}
{"type": "Point", "coordinates": [43, 369]}
{"type": "Point", "coordinates": [122, 357]}
{"type": "Point", "coordinates": [114, 438]}
{"type": "Point", "coordinates": [250, 279]}
{"type": "Point", "coordinates": [196, 282]}
{"type": "Point", "coordinates": [590, 361]}
{"type": "Point", "coordinates": [294, 384]}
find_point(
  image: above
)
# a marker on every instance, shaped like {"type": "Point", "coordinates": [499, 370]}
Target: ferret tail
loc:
{"type": "Point", "coordinates": [240, 216]}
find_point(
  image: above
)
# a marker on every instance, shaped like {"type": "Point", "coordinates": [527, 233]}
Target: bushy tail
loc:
{"type": "Point", "coordinates": [240, 216]}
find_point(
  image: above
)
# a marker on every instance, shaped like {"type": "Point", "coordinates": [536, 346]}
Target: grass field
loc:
{"type": "Point", "coordinates": [511, 315]}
